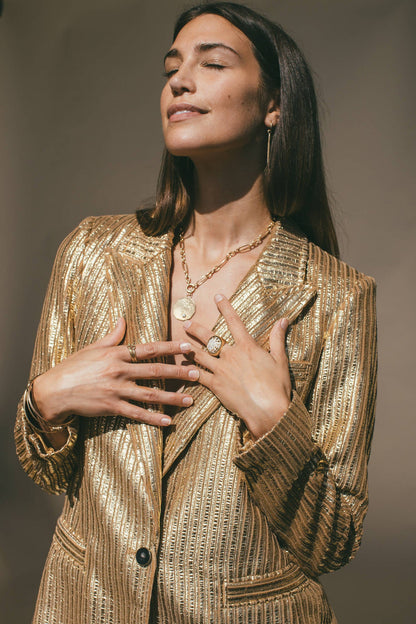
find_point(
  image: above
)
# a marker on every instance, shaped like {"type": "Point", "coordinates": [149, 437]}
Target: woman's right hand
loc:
{"type": "Point", "coordinates": [100, 380]}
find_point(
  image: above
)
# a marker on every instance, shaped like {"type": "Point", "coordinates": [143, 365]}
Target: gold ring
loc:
{"type": "Point", "coordinates": [132, 351]}
{"type": "Point", "coordinates": [214, 345]}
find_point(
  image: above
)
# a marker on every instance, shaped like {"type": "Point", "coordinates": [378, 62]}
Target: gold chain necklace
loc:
{"type": "Point", "coordinates": [184, 308]}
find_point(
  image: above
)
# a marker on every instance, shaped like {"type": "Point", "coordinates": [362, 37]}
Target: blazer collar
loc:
{"type": "Point", "coordinates": [139, 275]}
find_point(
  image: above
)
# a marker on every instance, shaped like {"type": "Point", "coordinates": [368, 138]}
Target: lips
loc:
{"type": "Point", "coordinates": [183, 110]}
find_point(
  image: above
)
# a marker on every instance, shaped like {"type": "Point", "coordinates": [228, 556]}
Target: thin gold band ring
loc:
{"type": "Point", "coordinates": [132, 351]}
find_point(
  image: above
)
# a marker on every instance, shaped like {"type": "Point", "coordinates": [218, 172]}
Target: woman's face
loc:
{"type": "Point", "coordinates": [212, 100]}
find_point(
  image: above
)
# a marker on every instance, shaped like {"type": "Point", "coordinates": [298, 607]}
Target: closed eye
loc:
{"type": "Point", "coordinates": [168, 74]}
{"type": "Point", "coordinates": [213, 65]}
{"type": "Point", "coordinates": [217, 66]}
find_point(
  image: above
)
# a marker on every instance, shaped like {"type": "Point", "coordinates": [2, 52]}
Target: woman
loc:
{"type": "Point", "coordinates": [211, 475]}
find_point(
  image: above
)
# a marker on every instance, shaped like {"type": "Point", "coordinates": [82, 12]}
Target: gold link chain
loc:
{"type": "Point", "coordinates": [190, 287]}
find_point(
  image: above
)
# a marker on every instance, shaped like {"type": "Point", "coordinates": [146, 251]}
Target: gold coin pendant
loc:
{"type": "Point", "coordinates": [184, 309]}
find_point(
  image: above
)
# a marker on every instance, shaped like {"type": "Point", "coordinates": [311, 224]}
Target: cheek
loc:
{"type": "Point", "coordinates": [246, 96]}
{"type": "Point", "coordinates": [243, 107]}
{"type": "Point", "coordinates": [163, 101]}
{"type": "Point", "coordinates": [251, 101]}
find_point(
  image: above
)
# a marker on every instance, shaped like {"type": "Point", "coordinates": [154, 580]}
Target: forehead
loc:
{"type": "Point", "coordinates": [210, 28]}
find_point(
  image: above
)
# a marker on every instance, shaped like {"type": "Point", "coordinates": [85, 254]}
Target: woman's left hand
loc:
{"type": "Point", "coordinates": [249, 381]}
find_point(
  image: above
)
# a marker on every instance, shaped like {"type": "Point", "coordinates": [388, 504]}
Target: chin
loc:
{"type": "Point", "coordinates": [184, 148]}
{"type": "Point", "coordinates": [186, 141]}
{"type": "Point", "coordinates": [184, 153]}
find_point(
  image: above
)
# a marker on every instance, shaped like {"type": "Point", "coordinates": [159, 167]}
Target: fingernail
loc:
{"type": "Point", "coordinates": [193, 374]}
{"type": "Point", "coordinates": [165, 421]}
{"type": "Point", "coordinates": [185, 346]}
{"type": "Point", "coordinates": [218, 298]}
{"type": "Point", "coordinates": [187, 401]}
{"type": "Point", "coordinates": [284, 323]}
{"type": "Point", "coordinates": [187, 324]}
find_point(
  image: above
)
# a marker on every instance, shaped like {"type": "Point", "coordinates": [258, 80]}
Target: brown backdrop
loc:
{"type": "Point", "coordinates": [80, 135]}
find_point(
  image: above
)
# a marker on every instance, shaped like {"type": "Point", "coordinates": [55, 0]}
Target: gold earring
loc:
{"type": "Point", "coordinates": [269, 142]}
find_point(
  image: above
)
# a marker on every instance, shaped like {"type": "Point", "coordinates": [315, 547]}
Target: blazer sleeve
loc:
{"type": "Point", "coordinates": [52, 469]}
{"type": "Point", "coordinates": [309, 473]}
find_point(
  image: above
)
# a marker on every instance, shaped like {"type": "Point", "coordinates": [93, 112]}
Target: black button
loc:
{"type": "Point", "coordinates": [143, 557]}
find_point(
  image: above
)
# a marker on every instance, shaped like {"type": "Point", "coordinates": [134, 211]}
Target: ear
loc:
{"type": "Point", "coordinates": [273, 110]}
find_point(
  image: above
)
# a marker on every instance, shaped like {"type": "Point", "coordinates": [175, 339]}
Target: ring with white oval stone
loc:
{"type": "Point", "coordinates": [215, 344]}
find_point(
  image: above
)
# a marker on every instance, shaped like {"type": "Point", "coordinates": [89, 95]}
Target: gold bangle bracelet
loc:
{"type": "Point", "coordinates": [36, 420]}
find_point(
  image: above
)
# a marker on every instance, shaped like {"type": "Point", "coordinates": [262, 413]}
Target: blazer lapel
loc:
{"type": "Point", "coordinates": [139, 288]}
{"type": "Point", "coordinates": [138, 275]}
{"type": "Point", "coordinates": [274, 288]}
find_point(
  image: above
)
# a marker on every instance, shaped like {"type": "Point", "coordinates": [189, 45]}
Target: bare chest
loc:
{"type": "Point", "coordinates": [226, 281]}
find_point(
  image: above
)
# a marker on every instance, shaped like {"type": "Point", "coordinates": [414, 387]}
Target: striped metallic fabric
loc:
{"type": "Point", "coordinates": [231, 531]}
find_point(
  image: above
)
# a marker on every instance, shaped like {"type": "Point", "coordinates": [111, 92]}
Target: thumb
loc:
{"type": "Point", "coordinates": [114, 337]}
{"type": "Point", "coordinates": [277, 339]}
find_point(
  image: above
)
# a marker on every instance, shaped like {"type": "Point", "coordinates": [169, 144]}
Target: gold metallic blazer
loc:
{"type": "Point", "coordinates": [202, 525]}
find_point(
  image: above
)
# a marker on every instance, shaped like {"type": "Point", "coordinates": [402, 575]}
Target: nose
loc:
{"type": "Point", "coordinates": [182, 81]}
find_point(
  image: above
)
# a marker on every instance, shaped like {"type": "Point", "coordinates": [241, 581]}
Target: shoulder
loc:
{"type": "Point", "coordinates": [109, 230]}
{"type": "Point", "coordinates": [119, 233]}
{"type": "Point", "coordinates": [333, 278]}
{"type": "Point", "coordinates": [305, 262]}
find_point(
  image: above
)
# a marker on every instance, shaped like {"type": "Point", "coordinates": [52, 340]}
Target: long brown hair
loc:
{"type": "Point", "coordinates": [294, 184]}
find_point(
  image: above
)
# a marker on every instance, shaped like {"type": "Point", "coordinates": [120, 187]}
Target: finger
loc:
{"type": "Point", "coordinates": [203, 358]}
{"type": "Point", "coordinates": [277, 339]}
{"type": "Point", "coordinates": [158, 370]}
{"type": "Point", "coordinates": [198, 331]}
{"type": "Point", "coordinates": [132, 392]}
{"type": "Point", "coordinates": [235, 324]}
{"type": "Point", "coordinates": [134, 412]}
{"type": "Point", "coordinates": [152, 350]}
{"type": "Point", "coordinates": [113, 338]}
{"type": "Point", "coordinates": [207, 379]}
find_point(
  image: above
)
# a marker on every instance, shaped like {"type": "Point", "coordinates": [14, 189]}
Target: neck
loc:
{"type": "Point", "coordinates": [230, 208]}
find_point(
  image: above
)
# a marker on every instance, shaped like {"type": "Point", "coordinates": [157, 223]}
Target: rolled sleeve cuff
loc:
{"type": "Point", "coordinates": [44, 451]}
{"type": "Point", "coordinates": [40, 445]}
{"type": "Point", "coordinates": [286, 448]}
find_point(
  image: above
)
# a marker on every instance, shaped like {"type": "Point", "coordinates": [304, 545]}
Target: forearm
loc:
{"type": "Point", "coordinates": [291, 482]}
{"type": "Point", "coordinates": [50, 468]}
{"type": "Point", "coordinates": [50, 462]}
{"type": "Point", "coordinates": [53, 428]}
{"type": "Point", "coordinates": [309, 473]}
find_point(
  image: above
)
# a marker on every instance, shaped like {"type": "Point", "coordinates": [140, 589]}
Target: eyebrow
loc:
{"type": "Point", "coordinates": [200, 47]}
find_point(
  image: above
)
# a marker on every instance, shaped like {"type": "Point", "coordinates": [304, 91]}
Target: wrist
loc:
{"type": "Point", "coordinates": [263, 423]}
{"type": "Point", "coordinates": [50, 411]}
{"type": "Point", "coordinates": [38, 406]}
